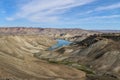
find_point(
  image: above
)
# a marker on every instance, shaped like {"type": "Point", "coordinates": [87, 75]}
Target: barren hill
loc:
{"type": "Point", "coordinates": [68, 34]}
{"type": "Point", "coordinates": [18, 63]}
{"type": "Point", "coordinates": [100, 52]}
{"type": "Point", "coordinates": [24, 55]}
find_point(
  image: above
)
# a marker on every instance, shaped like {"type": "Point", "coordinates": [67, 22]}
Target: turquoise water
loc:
{"type": "Point", "coordinates": [60, 43]}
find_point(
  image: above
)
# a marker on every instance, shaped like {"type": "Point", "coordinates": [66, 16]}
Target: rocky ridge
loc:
{"type": "Point", "coordinates": [68, 34]}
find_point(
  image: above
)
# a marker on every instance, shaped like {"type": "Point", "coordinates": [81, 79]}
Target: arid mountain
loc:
{"type": "Point", "coordinates": [108, 31]}
{"type": "Point", "coordinates": [100, 53]}
{"type": "Point", "coordinates": [18, 63]}
{"type": "Point", "coordinates": [24, 55]}
{"type": "Point", "coordinates": [69, 34]}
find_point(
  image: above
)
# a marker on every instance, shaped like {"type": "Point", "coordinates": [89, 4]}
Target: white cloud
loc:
{"type": "Point", "coordinates": [47, 10]}
{"type": "Point", "coordinates": [111, 16]}
{"type": "Point", "coordinates": [102, 17]}
{"type": "Point", "coordinates": [9, 19]}
{"type": "Point", "coordinates": [3, 12]}
{"type": "Point", "coordinates": [101, 8]}
{"type": "Point", "coordinates": [109, 7]}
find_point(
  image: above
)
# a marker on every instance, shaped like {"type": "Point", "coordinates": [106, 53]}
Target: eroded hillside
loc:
{"type": "Point", "coordinates": [100, 53]}
{"type": "Point", "coordinates": [24, 55]}
{"type": "Point", "coordinates": [18, 63]}
{"type": "Point", "coordinates": [68, 34]}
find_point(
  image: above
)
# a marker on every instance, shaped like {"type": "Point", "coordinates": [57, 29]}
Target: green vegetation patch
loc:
{"type": "Point", "coordinates": [74, 65]}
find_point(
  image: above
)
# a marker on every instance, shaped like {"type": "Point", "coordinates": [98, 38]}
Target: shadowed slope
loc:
{"type": "Point", "coordinates": [100, 53]}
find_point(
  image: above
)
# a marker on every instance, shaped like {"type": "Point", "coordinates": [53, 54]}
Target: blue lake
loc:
{"type": "Point", "coordinates": [60, 43]}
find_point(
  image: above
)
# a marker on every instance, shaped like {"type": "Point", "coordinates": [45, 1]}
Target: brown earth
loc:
{"type": "Point", "coordinates": [68, 34]}
{"type": "Point", "coordinates": [100, 53]}
{"type": "Point", "coordinates": [18, 63]}
{"type": "Point", "coordinates": [24, 55]}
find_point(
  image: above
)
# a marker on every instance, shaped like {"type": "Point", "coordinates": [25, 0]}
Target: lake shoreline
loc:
{"type": "Point", "coordinates": [60, 43]}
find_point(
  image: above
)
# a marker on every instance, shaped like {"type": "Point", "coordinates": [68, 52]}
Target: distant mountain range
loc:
{"type": "Point", "coordinates": [108, 31]}
{"type": "Point", "coordinates": [51, 32]}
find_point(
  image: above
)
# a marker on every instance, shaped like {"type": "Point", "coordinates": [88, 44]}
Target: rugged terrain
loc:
{"type": "Point", "coordinates": [68, 34]}
{"type": "Point", "coordinates": [18, 63]}
{"type": "Point", "coordinates": [100, 53]}
{"type": "Point", "coordinates": [24, 55]}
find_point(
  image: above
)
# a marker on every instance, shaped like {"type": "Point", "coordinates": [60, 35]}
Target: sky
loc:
{"type": "Point", "coordinates": [84, 14]}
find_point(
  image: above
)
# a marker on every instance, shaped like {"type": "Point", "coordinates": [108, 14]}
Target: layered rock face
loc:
{"type": "Point", "coordinates": [68, 34]}
{"type": "Point", "coordinates": [18, 63]}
